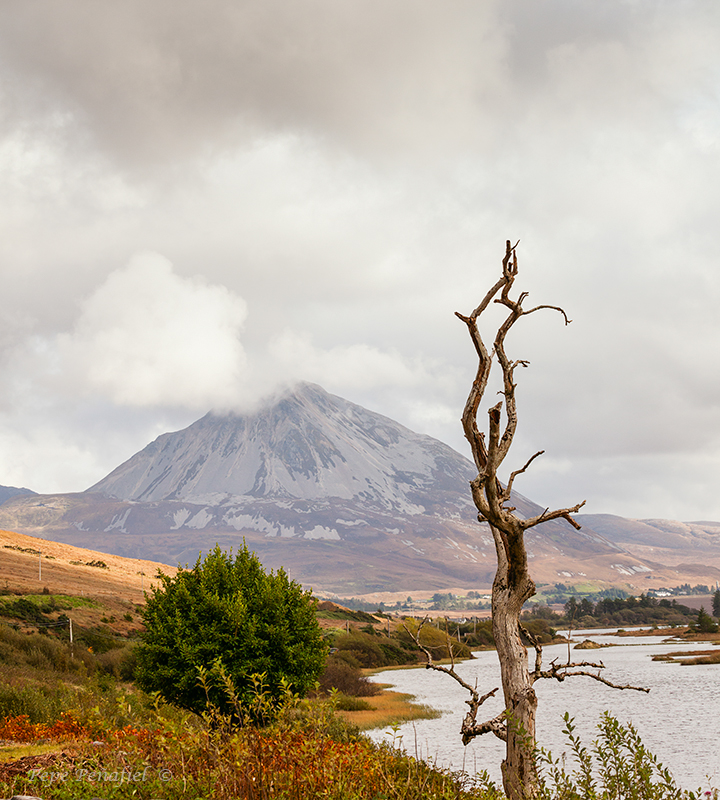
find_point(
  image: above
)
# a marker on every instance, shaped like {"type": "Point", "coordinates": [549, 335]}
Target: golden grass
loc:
{"type": "Point", "coordinates": [690, 657]}
{"type": "Point", "coordinates": [389, 708]}
{"type": "Point", "coordinates": [121, 578]}
{"type": "Point", "coordinates": [10, 752]}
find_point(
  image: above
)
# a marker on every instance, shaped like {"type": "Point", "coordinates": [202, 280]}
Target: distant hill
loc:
{"type": "Point", "coordinates": [30, 565]}
{"type": "Point", "coordinates": [347, 500]}
{"type": "Point", "coordinates": [6, 492]}
{"type": "Point", "coordinates": [688, 548]}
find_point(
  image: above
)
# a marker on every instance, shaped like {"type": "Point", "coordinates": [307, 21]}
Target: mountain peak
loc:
{"type": "Point", "coordinates": [341, 496]}
{"type": "Point", "coordinates": [304, 444]}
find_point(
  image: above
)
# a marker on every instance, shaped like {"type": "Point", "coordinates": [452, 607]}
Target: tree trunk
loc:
{"type": "Point", "coordinates": [511, 588]}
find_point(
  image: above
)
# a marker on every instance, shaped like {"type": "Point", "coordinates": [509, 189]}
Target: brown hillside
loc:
{"type": "Point", "coordinates": [29, 565]}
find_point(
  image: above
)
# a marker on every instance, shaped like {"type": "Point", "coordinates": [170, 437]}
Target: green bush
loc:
{"type": "Point", "coordinates": [363, 649]}
{"type": "Point", "coordinates": [540, 629]}
{"type": "Point", "coordinates": [40, 703]}
{"type": "Point", "coordinates": [40, 651]}
{"type": "Point", "coordinates": [345, 702]}
{"type": "Point", "coordinates": [229, 617]}
{"type": "Point", "coordinates": [437, 641]}
{"type": "Point", "coordinates": [120, 662]}
{"type": "Point", "coordinates": [705, 622]}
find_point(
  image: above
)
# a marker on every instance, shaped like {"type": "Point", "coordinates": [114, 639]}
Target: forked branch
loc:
{"type": "Point", "coordinates": [470, 726]}
{"type": "Point", "coordinates": [561, 513]}
{"type": "Point", "coordinates": [561, 671]}
{"type": "Point", "coordinates": [515, 473]}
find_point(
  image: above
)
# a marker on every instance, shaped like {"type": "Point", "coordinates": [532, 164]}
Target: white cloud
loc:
{"type": "Point", "coordinates": [343, 368]}
{"type": "Point", "coordinates": [150, 337]}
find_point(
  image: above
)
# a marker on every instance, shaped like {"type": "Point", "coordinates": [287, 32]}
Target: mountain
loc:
{"type": "Point", "coordinates": [307, 446]}
{"type": "Point", "coordinates": [6, 492]}
{"type": "Point", "coordinates": [347, 500]}
{"type": "Point", "coordinates": [690, 548]}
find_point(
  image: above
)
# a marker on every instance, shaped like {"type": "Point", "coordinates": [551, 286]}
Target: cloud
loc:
{"type": "Point", "coordinates": [147, 336]}
{"type": "Point", "coordinates": [345, 368]}
{"type": "Point", "coordinates": [147, 82]}
{"type": "Point", "coordinates": [352, 171]}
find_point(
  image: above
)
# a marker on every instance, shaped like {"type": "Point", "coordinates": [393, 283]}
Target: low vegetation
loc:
{"type": "Point", "coordinates": [73, 723]}
{"type": "Point", "coordinates": [693, 657]}
{"type": "Point", "coordinates": [111, 740]}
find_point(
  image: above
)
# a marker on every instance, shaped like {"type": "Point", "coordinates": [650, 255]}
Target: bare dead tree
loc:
{"type": "Point", "coordinates": [512, 585]}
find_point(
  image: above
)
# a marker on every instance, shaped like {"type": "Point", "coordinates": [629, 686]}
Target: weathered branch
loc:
{"type": "Point", "coordinates": [497, 725]}
{"type": "Point", "coordinates": [552, 308]}
{"type": "Point", "coordinates": [470, 727]}
{"type": "Point", "coordinates": [488, 456]}
{"type": "Point", "coordinates": [515, 473]}
{"type": "Point", "coordinates": [559, 672]}
{"type": "Point", "coordinates": [536, 646]}
{"type": "Point", "coordinates": [546, 515]}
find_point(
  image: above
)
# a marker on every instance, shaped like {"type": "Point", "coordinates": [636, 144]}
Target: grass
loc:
{"type": "Point", "coordinates": [690, 658]}
{"type": "Point", "coordinates": [308, 752]}
{"type": "Point", "coordinates": [388, 708]}
{"type": "Point", "coordinates": [11, 752]}
{"type": "Point", "coordinates": [73, 717]}
{"type": "Point", "coordinates": [107, 739]}
{"type": "Point", "coordinates": [345, 702]}
{"type": "Point", "coordinates": [64, 601]}
{"type": "Point", "coordinates": [61, 601]}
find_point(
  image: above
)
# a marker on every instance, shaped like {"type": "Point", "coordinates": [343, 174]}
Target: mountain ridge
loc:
{"type": "Point", "coordinates": [346, 499]}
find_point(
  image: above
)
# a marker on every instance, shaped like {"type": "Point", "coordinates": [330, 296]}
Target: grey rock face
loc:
{"type": "Point", "coordinates": [308, 445]}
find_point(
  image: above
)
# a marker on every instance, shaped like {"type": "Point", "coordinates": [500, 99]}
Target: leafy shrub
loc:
{"type": "Point", "coordinates": [479, 634]}
{"type": "Point", "coordinates": [437, 641]}
{"type": "Point", "coordinates": [38, 704]}
{"type": "Point", "coordinates": [540, 629]}
{"type": "Point", "coordinates": [232, 617]}
{"type": "Point", "coordinates": [705, 622]}
{"type": "Point", "coordinates": [120, 662]}
{"type": "Point", "coordinates": [34, 649]}
{"type": "Point", "coordinates": [362, 648]}
{"type": "Point", "coordinates": [345, 702]}
{"type": "Point", "coordinates": [619, 766]}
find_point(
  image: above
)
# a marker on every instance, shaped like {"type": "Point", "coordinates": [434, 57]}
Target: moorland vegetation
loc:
{"type": "Point", "coordinates": [76, 724]}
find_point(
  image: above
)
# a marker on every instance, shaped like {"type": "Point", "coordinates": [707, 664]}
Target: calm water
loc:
{"type": "Point", "coordinates": [679, 721]}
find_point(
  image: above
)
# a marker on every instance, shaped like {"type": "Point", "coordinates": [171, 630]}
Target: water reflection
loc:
{"type": "Point", "coordinates": [679, 721]}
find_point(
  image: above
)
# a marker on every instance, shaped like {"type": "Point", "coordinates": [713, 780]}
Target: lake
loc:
{"type": "Point", "coordinates": [679, 721]}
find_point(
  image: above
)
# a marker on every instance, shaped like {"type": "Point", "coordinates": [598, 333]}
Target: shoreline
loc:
{"type": "Point", "coordinates": [388, 708]}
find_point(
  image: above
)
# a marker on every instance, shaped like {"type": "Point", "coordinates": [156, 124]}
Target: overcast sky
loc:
{"type": "Point", "coordinates": [203, 200]}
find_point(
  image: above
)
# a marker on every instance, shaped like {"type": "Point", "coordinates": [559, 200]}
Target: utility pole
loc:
{"type": "Point", "coordinates": [40, 566]}
{"type": "Point", "coordinates": [72, 652]}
